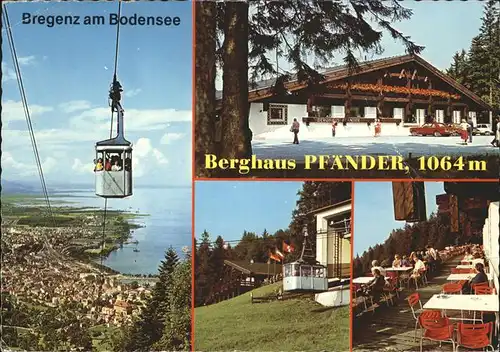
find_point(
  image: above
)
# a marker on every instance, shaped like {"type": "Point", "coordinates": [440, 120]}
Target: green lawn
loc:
{"type": "Point", "coordinates": [290, 325]}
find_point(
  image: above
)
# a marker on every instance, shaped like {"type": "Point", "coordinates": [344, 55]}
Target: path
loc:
{"type": "Point", "coordinates": [392, 328]}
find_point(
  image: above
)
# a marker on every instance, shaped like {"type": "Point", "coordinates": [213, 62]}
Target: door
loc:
{"type": "Point", "coordinates": [440, 116]}
{"type": "Point", "coordinates": [420, 116]}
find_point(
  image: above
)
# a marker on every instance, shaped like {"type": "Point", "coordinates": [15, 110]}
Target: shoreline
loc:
{"type": "Point", "coordinates": [120, 225]}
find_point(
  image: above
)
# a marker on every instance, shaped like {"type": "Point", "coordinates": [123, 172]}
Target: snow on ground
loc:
{"type": "Point", "coordinates": [398, 145]}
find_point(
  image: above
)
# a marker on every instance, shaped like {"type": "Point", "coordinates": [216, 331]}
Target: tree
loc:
{"type": "Point", "coordinates": [295, 30]}
{"type": "Point", "coordinates": [205, 73]}
{"type": "Point", "coordinates": [177, 331]}
{"type": "Point", "coordinates": [479, 69]}
{"type": "Point", "coordinates": [149, 328]}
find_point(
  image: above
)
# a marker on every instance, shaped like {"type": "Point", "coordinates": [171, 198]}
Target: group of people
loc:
{"type": "Point", "coordinates": [420, 261]}
{"type": "Point", "coordinates": [113, 163]}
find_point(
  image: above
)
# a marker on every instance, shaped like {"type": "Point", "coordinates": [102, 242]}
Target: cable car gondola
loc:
{"type": "Point", "coordinates": [114, 175]}
{"type": "Point", "coordinates": [305, 274]}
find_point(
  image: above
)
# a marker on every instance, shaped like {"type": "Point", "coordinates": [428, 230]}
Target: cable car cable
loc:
{"type": "Point", "coordinates": [111, 127]}
{"type": "Point", "coordinates": [30, 126]}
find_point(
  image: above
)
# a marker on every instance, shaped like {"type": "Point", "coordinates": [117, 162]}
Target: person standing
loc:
{"type": "Point", "coordinates": [471, 128]}
{"type": "Point", "coordinates": [495, 126]}
{"type": "Point", "coordinates": [295, 129]}
{"type": "Point", "coordinates": [465, 131]}
{"type": "Point", "coordinates": [334, 128]}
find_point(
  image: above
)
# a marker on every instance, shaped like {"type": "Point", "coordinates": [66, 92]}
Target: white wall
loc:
{"type": "Point", "coordinates": [258, 117]}
{"type": "Point", "coordinates": [490, 241]}
{"type": "Point", "coordinates": [324, 243]}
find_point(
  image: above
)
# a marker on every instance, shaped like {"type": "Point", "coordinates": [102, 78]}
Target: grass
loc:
{"type": "Point", "coordinates": [290, 325]}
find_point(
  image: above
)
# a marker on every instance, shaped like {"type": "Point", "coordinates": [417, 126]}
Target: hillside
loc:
{"type": "Point", "coordinates": [290, 325]}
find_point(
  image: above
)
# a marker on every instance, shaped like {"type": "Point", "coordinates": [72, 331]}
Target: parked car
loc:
{"type": "Point", "coordinates": [456, 129]}
{"type": "Point", "coordinates": [432, 129]}
{"type": "Point", "coordinates": [484, 129]}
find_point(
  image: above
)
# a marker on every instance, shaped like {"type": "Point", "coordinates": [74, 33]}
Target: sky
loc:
{"type": "Point", "coordinates": [374, 212]}
{"type": "Point", "coordinates": [67, 71]}
{"type": "Point", "coordinates": [443, 27]}
{"type": "Point", "coordinates": [227, 208]}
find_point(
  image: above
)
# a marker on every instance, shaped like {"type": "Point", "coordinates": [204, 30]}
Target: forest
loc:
{"type": "Point", "coordinates": [210, 254]}
{"type": "Point", "coordinates": [478, 67]}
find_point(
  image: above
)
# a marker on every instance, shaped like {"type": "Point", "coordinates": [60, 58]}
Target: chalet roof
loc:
{"type": "Point", "coordinates": [262, 89]}
{"type": "Point", "coordinates": [253, 268]}
{"type": "Point", "coordinates": [331, 206]}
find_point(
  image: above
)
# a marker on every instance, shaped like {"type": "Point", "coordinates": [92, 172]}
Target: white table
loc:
{"type": "Point", "coordinates": [362, 280]}
{"type": "Point", "coordinates": [465, 266]}
{"type": "Point", "coordinates": [406, 268]}
{"type": "Point", "coordinates": [460, 277]}
{"type": "Point", "coordinates": [478, 303]}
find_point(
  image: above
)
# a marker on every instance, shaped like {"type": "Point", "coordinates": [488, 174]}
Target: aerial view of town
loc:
{"type": "Point", "coordinates": [55, 292]}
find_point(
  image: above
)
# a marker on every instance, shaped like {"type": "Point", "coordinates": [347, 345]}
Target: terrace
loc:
{"type": "Point", "coordinates": [441, 292]}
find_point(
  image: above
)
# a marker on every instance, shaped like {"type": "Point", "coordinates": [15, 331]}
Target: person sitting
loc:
{"type": "Point", "coordinates": [107, 165]}
{"type": "Point", "coordinates": [116, 166]}
{"type": "Point", "coordinates": [405, 262]}
{"type": "Point", "coordinates": [396, 263]}
{"type": "Point", "coordinates": [419, 265]}
{"type": "Point", "coordinates": [98, 165]}
{"type": "Point", "coordinates": [128, 164]}
{"type": "Point", "coordinates": [375, 287]}
{"type": "Point", "coordinates": [376, 265]}
{"type": "Point", "coordinates": [479, 278]}
{"type": "Point", "coordinates": [468, 255]}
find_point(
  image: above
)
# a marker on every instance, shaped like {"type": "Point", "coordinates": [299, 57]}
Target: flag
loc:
{"type": "Point", "coordinates": [279, 254]}
{"type": "Point", "coordinates": [287, 248]}
{"type": "Point", "coordinates": [274, 257]}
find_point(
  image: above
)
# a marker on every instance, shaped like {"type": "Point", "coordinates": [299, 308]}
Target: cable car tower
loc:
{"type": "Point", "coordinates": [305, 274]}
{"type": "Point", "coordinates": [114, 155]}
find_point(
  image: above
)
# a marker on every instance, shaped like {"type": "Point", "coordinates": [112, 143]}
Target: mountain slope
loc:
{"type": "Point", "coordinates": [290, 325]}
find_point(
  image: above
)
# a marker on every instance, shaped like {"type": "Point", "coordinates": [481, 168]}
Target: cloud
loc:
{"type": "Point", "coordinates": [80, 167]}
{"type": "Point", "coordinates": [134, 120]}
{"type": "Point", "coordinates": [171, 137]}
{"type": "Point", "coordinates": [24, 169]}
{"type": "Point", "coordinates": [146, 157]}
{"type": "Point", "coordinates": [74, 105]}
{"type": "Point", "coordinates": [14, 111]}
{"type": "Point", "coordinates": [9, 74]}
{"type": "Point", "coordinates": [133, 92]}
{"type": "Point", "coordinates": [27, 60]}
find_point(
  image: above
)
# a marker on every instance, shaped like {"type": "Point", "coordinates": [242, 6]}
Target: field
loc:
{"type": "Point", "coordinates": [290, 325]}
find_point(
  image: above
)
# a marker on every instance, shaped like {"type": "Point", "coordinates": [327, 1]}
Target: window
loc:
{"type": "Point", "coordinates": [370, 112]}
{"type": "Point", "coordinates": [338, 111]}
{"type": "Point", "coordinates": [277, 114]}
{"type": "Point", "coordinates": [322, 111]}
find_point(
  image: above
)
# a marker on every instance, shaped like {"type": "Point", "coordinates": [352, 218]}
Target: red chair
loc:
{"type": "Point", "coordinates": [484, 290]}
{"type": "Point", "coordinates": [417, 310]}
{"type": "Point", "coordinates": [474, 336]}
{"type": "Point", "coordinates": [436, 329]}
{"type": "Point", "coordinates": [481, 284]}
{"type": "Point", "coordinates": [452, 288]}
